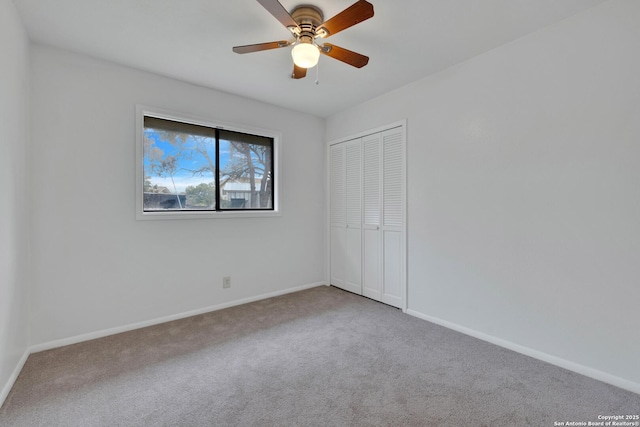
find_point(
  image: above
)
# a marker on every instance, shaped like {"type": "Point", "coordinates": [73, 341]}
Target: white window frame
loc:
{"type": "Point", "coordinates": [143, 110]}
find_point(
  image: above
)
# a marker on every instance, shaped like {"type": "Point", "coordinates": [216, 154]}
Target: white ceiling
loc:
{"type": "Point", "coordinates": [191, 40]}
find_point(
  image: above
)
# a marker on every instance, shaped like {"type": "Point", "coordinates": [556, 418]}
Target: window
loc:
{"type": "Point", "coordinates": [191, 168]}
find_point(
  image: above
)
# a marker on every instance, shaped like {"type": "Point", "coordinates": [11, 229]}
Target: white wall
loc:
{"type": "Point", "coordinates": [95, 266]}
{"type": "Point", "coordinates": [524, 191]}
{"type": "Point", "coordinates": [14, 94]}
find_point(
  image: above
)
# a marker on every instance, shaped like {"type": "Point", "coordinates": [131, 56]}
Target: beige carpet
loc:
{"type": "Point", "coordinates": [320, 357]}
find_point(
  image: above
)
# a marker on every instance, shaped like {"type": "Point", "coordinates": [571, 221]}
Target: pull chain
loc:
{"type": "Point", "coordinates": [318, 73]}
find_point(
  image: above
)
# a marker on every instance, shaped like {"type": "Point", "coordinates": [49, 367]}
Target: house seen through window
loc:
{"type": "Point", "coordinates": [190, 167]}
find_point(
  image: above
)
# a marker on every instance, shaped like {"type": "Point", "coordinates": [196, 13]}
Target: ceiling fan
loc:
{"type": "Point", "coordinates": [307, 24]}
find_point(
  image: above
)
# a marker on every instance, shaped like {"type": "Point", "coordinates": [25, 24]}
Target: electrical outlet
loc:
{"type": "Point", "coordinates": [226, 282]}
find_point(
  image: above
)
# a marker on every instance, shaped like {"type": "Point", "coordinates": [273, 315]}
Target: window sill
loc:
{"type": "Point", "coordinates": [146, 216]}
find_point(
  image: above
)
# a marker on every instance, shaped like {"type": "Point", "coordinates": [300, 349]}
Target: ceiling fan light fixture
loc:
{"type": "Point", "coordinates": [305, 55]}
{"type": "Point", "coordinates": [306, 23]}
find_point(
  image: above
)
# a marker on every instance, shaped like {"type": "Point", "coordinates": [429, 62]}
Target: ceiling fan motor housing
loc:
{"type": "Point", "coordinates": [308, 19]}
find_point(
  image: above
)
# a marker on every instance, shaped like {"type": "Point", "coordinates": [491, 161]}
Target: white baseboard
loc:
{"type": "Point", "coordinates": [554, 360]}
{"type": "Point", "coordinates": [126, 328]}
{"type": "Point", "coordinates": [14, 376]}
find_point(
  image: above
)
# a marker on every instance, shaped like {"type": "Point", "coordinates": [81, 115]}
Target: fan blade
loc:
{"type": "Point", "coordinates": [298, 72]}
{"type": "Point", "coordinates": [354, 14]}
{"type": "Point", "coordinates": [279, 12]}
{"type": "Point", "coordinates": [341, 54]}
{"type": "Point", "coordinates": [260, 46]}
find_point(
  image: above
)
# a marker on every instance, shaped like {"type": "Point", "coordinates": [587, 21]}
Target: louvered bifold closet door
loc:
{"type": "Point", "coordinates": [353, 254]}
{"type": "Point", "coordinates": [372, 212]}
{"type": "Point", "coordinates": [393, 216]}
{"type": "Point", "coordinates": [338, 214]}
{"type": "Point", "coordinates": [368, 226]}
{"type": "Point", "coordinates": [346, 216]}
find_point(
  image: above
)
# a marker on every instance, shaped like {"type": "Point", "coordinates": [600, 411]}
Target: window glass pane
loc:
{"type": "Point", "coordinates": [246, 171]}
{"type": "Point", "coordinates": [179, 166]}
{"type": "Point", "coordinates": [198, 168]}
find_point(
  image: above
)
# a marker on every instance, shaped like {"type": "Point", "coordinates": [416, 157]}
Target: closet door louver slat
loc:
{"type": "Point", "coordinates": [392, 173]}
{"type": "Point", "coordinates": [353, 188]}
{"type": "Point", "coordinates": [371, 179]}
{"type": "Point", "coordinates": [338, 213]}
